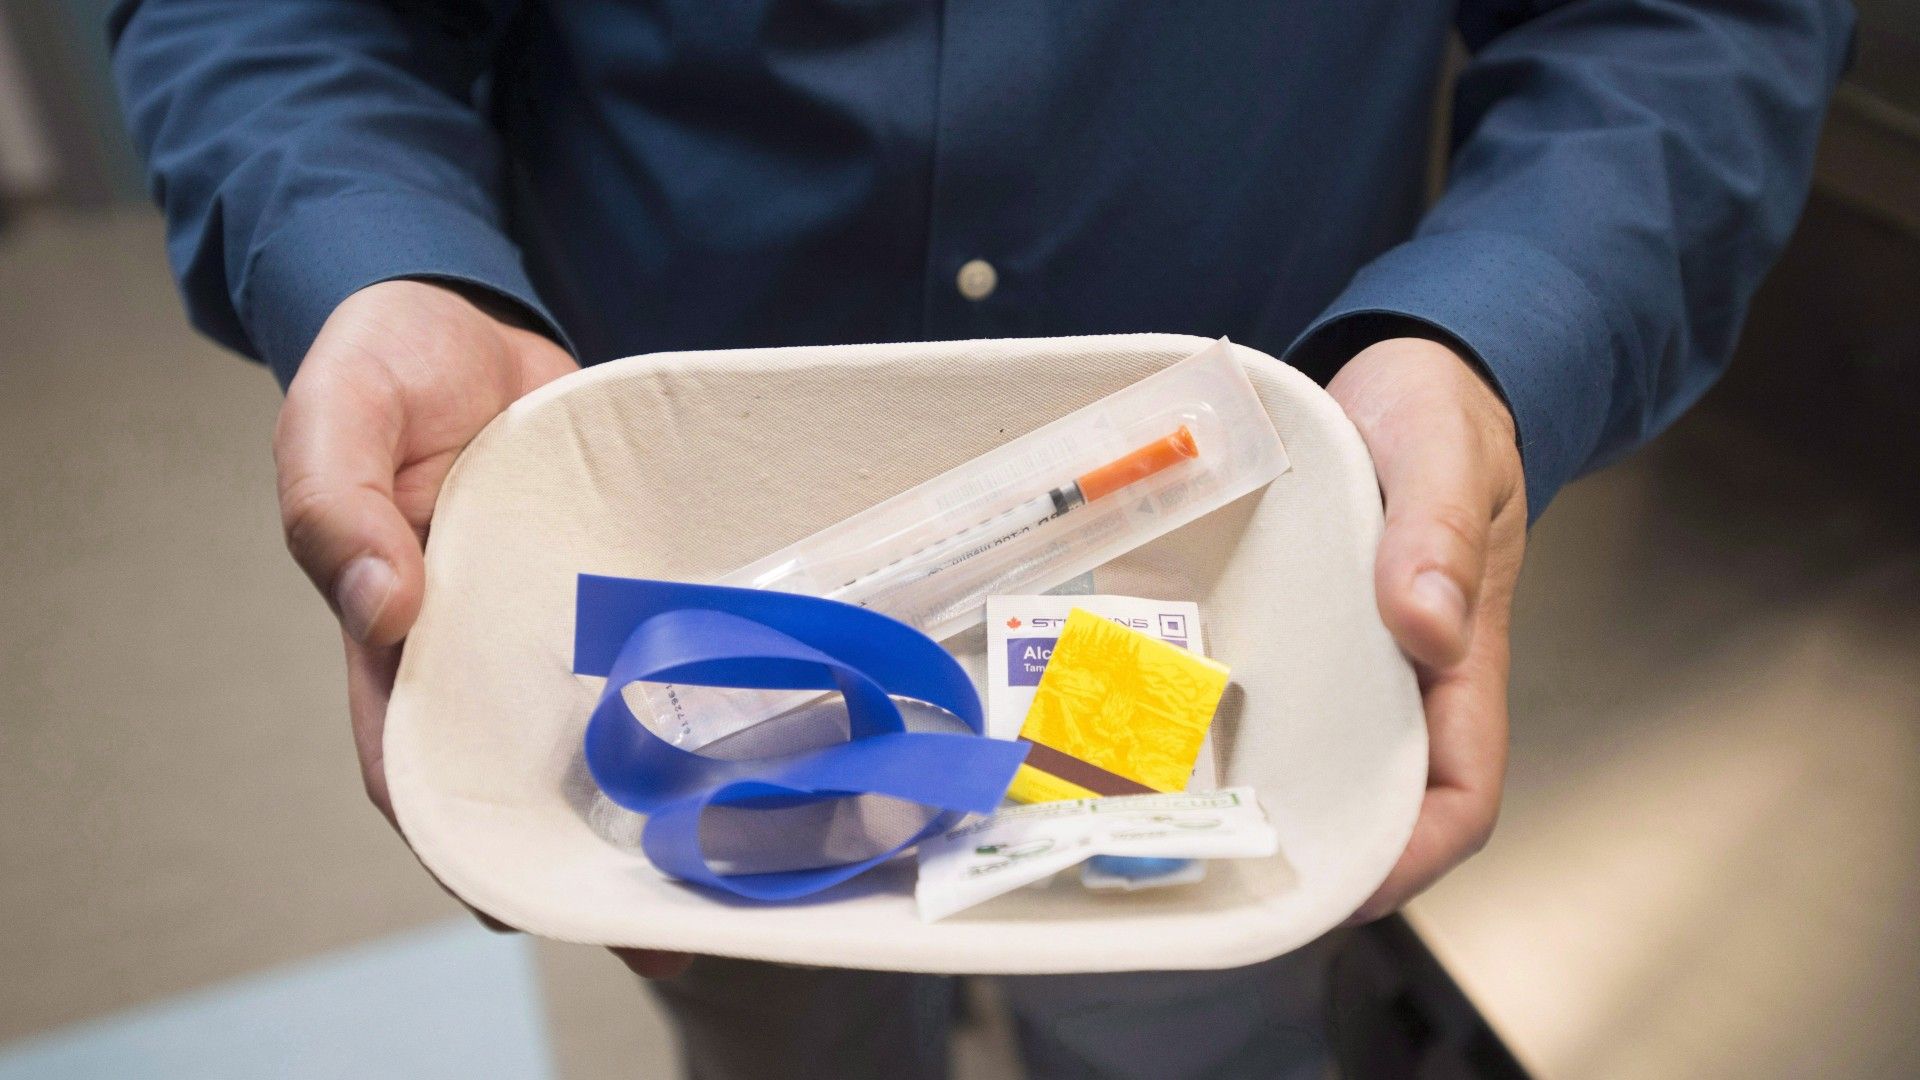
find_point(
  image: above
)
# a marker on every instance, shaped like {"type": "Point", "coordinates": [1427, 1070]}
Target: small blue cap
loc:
{"type": "Point", "coordinates": [1135, 868]}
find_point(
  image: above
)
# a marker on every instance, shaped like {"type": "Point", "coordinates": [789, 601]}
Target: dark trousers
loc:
{"type": "Point", "coordinates": [741, 1020]}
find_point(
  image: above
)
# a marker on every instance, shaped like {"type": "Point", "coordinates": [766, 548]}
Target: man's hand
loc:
{"type": "Point", "coordinates": [402, 376]}
{"type": "Point", "coordinates": [1443, 444]}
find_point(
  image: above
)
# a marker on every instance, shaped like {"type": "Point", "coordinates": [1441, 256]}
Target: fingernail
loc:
{"type": "Point", "coordinates": [362, 593]}
{"type": "Point", "coordinates": [1437, 593]}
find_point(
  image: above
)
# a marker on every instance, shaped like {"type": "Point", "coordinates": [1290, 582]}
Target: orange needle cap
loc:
{"type": "Point", "coordinates": [1154, 457]}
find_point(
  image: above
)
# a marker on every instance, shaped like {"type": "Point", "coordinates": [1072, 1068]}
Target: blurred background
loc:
{"type": "Point", "coordinates": [1709, 862]}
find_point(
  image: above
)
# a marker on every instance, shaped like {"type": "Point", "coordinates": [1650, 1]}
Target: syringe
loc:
{"type": "Point", "coordinates": [693, 716]}
{"type": "Point", "coordinates": [977, 540]}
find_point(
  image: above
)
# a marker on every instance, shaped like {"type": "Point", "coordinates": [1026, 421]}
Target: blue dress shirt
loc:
{"type": "Point", "coordinates": [697, 174]}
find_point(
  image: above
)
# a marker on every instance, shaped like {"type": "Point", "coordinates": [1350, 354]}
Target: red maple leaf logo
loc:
{"type": "Point", "coordinates": [1013, 623]}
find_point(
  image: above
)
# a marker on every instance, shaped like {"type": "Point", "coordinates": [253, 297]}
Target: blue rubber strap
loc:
{"type": "Point", "coordinates": [634, 630]}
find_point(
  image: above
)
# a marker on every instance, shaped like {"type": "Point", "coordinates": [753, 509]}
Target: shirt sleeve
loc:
{"type": "Point", "coordinates": [304, 149]}
{"type": "Point", "coordinates": [1623, 174]}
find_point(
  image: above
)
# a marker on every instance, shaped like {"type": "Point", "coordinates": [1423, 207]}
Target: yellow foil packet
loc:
{"type": "Point", "coordinates": [1117, 713]}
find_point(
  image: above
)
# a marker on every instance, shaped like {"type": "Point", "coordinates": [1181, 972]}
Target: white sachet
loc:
{"type": "Point", "coordinates": [999, 853]}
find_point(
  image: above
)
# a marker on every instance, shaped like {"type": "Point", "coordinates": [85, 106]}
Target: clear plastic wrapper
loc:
{"type": "Point", "coordinates": [1030, 515]}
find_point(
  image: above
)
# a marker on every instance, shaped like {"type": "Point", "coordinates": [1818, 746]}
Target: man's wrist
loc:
{"type": "Point", "coordinates": [499, 306]}
{"type": "Point", "coordinates": [1460, 382]}
{"type": "Point", "coordinates": [1342, 339]}
{"type": "Point", "coordinates": [323, 252]}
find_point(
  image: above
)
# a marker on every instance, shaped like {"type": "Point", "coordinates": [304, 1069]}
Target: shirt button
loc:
{"type": "Point", "coordinates": [977, 279]}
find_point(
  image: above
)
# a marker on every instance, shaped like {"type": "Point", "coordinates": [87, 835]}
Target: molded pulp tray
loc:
{"type": "Point", "coordinates": [686, 465]}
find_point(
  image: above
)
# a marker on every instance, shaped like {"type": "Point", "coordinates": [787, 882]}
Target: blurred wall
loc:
{"type": "Point", "coordinates": [67, 145]}
{"type": "Point", "coordinates": [1830, 357]}
{"type": "Point", "coordinates": [26, 160]}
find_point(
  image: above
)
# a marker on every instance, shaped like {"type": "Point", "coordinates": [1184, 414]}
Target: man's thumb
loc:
{"type": "Point", "coordinates": [337, 461]}
{"type": "Point", "coordinates": [363, 558]}
{"type": "Point", "coordinates": [1406, 396]}
{"type": "Point", "coordinates": [362, 555]}
{"type": "Point", "coordinates": [1432, 557]}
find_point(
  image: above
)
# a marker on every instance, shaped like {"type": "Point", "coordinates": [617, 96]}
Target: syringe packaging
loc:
{"type": "Point", "coordinates": [1023, 518]}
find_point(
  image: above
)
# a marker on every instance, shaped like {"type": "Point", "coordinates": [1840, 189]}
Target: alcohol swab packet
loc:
{"type": "Point", "coordinates": [1001, 852]}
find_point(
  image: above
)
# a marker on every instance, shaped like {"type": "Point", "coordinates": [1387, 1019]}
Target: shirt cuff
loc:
{"type": "Point", "coordinates": [1530, 323]}
{"type": "Point", "coordinates": [329, 250]}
